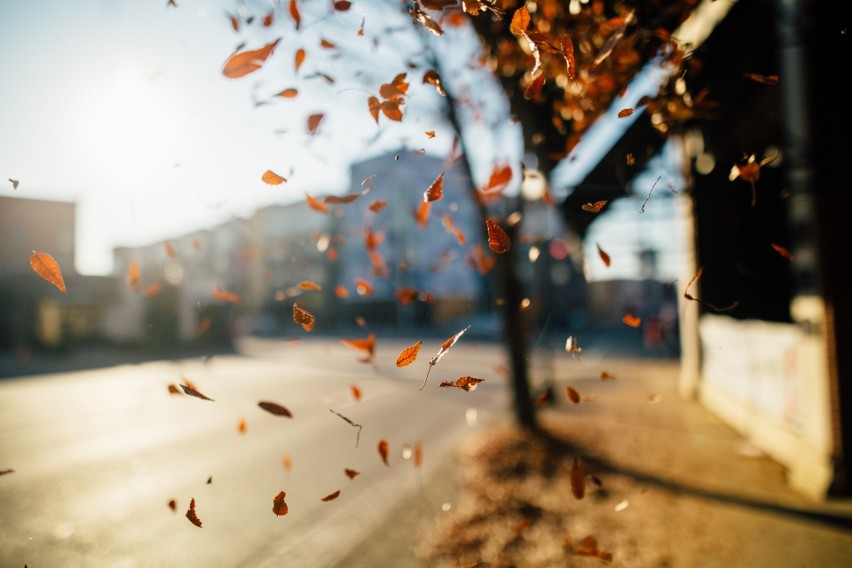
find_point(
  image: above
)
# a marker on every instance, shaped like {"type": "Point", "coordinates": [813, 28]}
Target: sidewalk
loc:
{"type": "Point", "coordinates": [676, 488]}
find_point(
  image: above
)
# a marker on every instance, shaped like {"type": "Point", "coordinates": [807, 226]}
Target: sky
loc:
{"type": "Point", "coordinates": [121, 107]}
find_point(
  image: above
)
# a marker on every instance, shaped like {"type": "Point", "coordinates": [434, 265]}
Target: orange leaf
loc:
{"type": "Point", "coordinates": [785, 254]}
{"type": "Point", "coordinates": [573, 395]}
{"type": "Point", "coordinates": [631, 320]}
{"type": "Point", "coordinates": [368, 345]}
{"type": "Point", "coordinates": [374, 106]}
{"type": "Point", "coordinates": [435, 191]}
{"type": "Point", "coordinates": [287, 463]}
{"type": "Point", "coordinates": [294, 13]}
{"type": "Point", "coordinates": [501, 175]}
{"type": "Point", "coordinates": [408, 355]}
{"type": "Point", "coordinates": [422, 214]}
{"type": "Point", "coordinates": [578, 480]}
{"type": "Point", "coordinates": [152, 290]}
{"type": "Point", "coordinates": [45, 266]}
{"type": "Point", "coordinates": [533, 90]}
{"type": "Point", "coordinates": [191, 515]}
{"type": "Point", "coordinates": [567, 49]}
{"type": "Point", "coordinates": [520, 21]}
{"type": "Point", "coordinates": [383, 451]}
{"type": "Point", "coordinates": [625, 112]}
{"type": "Point", "coordinates": [465, 383]}
{"type": "Point", "coordinates": [430, 133]}
{"type": "Point", "coordinates": [377, 206]}
{"type": "Point", "coordinates": [241, 426]}
{"type": "Point", "coordinates": [363, 287]}
{"type": "Point", "coordinates": [419, 15]}
{"type": "Point", "coordinates": [765, 79]}
{"type": "Point", "coordinates": [268, 19]}
{"type": "Point", "coordinates": [391, 110]}
{"type": "Point", "coordinates": [451, 228]}
{"type": "Point", "coordinates": [432, 78]}
{"type": "Point", "coordinates": [279, 507]}
{"type": "Point", "coordinates": [480, 261]}
{"type": "Point", "coordinates": [299, 58]}
{"type": "Point", "coordinates": [594, 207]}
{"type": "Point", "coordinates": [133, 275]}
{"type": "Point", "coordinates": [630, 159]}
{"type": "Point", "coordinates": [356, 392]}
{"type": "Point", "coordinates": [351, 473]}
{"type": "Point", "coordinates": [443, 351]}
{"type": "Point", "coordinates": [316, 204]}
{"type": "Point", "coordinates": [272, 178]}
{"type": "Point", "coordinates": [288, 93]}
{"type": "Point", "coordinates": [245, 62]}
{"type": "Point", "coordinates": [274, 408]}
{"type": "Point", "coordinates": [341, 292]}
{"type": "Point", "coordinates": [173, 390]}
{"type": "Point", "coordinates": [407, 296]}
{"type": "Point", "coordinates": [170, 249]}
{"type": "Point", "coordinates": [303, 317]}
{"type": "Point", "coordinates": [418, 454]}
{"type": "Point", "coordinates": [332, 496]}
{"type": "Point", "coordinates": [604, 256]}
{"type": "Point", "coordinates": [606, 376]}
{"type": "Point", "coordinates": [225, 296]}
{"type": "Point", "coordinates": [309, 285]}
{"type": "Point", "coordinates": [191, 391]}
{"type": "Point", "coordinates": [314, 122]}
{"type": "Point", "coordinates": [235, 23]}
{"type": "Point", "coordinates": [204, 325]}
{"type": "Point", "coordinates": [498, 240]}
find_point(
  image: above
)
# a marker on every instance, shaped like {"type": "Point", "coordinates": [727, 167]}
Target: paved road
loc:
{"type": "Point", "coordinates": [98, 454]}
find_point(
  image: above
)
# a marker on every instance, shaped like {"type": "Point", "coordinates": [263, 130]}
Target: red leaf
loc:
{"type": "Point", "coordinates": [356, 392]}
{"type": "Point", "coordinates": [268, 19]}
{"type": "Point", "coordinates": [368, 345]}
{"type": "Point", "coordinates": [451, 228]}
{"type": "Point", "coordinates": [383, 451]}
{"type": "Point", "coordinates": [245, 62]}
{"type": "Point", "coordinates": [593, 207]}
{"type": "Point", "coordinates": [501, 175]}
{"type": "Point", "coordinates": [351, 473]}
{"type": "Point", "coordinates": [422, 215]}
{"type": "Point", "coordinates": [408, 355]}
{"type": "Point", "coordinates": [272, 178]}
{"type": "Point", "coordinates": [465, 383]}
{"type": "Point", "coordinates": [342, 5]}
{"type": "Point", "coordinates": [443, 351]}
{"type": "Point", "coordinates": [314, 122]}
{"type": "Point", "coordinates": [299, 58]}
{"type": "Point", "coordinates": [274, 408]}
{"type": "Point", "coordinates": [279, 507]}
{"type": "Point", "coordinates": [435, 191]}
{"type": "Point", "coordinates": [604, 256]}
{"type": "Point", "coordinates": [45, 266]}
{"type": "Point", "coordinates": [765, 79]}
{"type": "Point", "coordinates": [498, 240]}
{"type": "Point", "coordinates": [533, 90]}
{"type": "Point", "coordinates": [316, 204]}
{"type": "Point", "coordinates": [172, 505]}
{"type": "Point", "coordinates": [407, 296]}
{"type": "Point", "coordinates": [294, 13]}
{"type": "Point", "coordinates": [567, 49]}
{"type": "Point", "coordinates": [332, 496]}
{"type": "Point", "coordinates": [573, 395]}
{"type": "Point", "coordinates": [578, 480]}
{"type": "Point", "coordinates": [191, 515]}
{"type": "Point", "coordinates": [631, 320]}
{"type": "Point", "coordinates": [192, 392]}
{"type": "Point", "coordinates": [785, 254]}
{"type": "Point", "coordinates": [303, 317]}
{"type": "Point", "coordinates": [625, 112]}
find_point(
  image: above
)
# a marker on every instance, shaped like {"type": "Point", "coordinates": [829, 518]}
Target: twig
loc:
{"type": "Point", "coordinates": [642, 209]}
{"type": "Point", "coordinates": [359, 426]}
{"type": "Point", "coordinates": [689, 296]}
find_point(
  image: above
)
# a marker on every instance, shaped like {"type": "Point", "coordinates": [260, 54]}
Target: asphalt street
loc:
{"type": "Point", "coordinates": [97, 455]}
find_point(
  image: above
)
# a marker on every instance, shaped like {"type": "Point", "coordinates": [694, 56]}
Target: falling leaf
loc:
{"type": "Point", "coordinates": [299, 58]}
{"type": "Point", "coordinates": [173, 389]}
{"type": "Point", "coordinates": [363, 287]}
{"type": "Point", "coordinates": [294, 13]}
{"type": "Point", "coordinates": [498, 240]}
{"type": "Point", "coordinates": [391, 110]}
{"type": "Point", "coordinates": [419, 15]}
{"type": "Point", "coordinates": [431, 77]}
{"type": "Point", "coordinates": [435, 191]}
{"type": "Point", "coordinates": [225, 296]}
{"type": "Point", "coordinates": [268, 19]}
{"type": "Point", "coordinates": [446, 346]}
{"type": "Point", "coordinates": [309, 285]}
{"type": "Point", "coordinates": [191, 515]}
{"type": "Point", "coordinates": [520, 21]}
{"type": "Point", "coordinates": [15, 183]}
{"type": "Point", "coordinates": [133, 277]}
{"type": "Point", "coordinates": [500, 177]}
{"type": "Point", "coordinates": [235, 23]}
{"type": "Point", "coordinates": [765, 79]}
{"type": "Point", "coordinates": [356, 393]}
{"type": "Point", "coordinates": [368, 345]}
{"type": "Point", "coordinates": [314, 122]}
{"type": "Point", "coordinates": [196, 244]}
{"type": "Point", "coordinates": [7, 471]}
{"type": "Point", "coordinates": [287, 463]}
{"type": "Point", "coordinates": [578, 480]}
{"type": "Point", "coordinates": [383, 451]}
{"type": "Point", "coordinates": [342, 5]}
{"type": "Point", "coordinates": [191, 391]}
{"type": "Point", "coordinates": [245, 62]}
{"type": "Point", "coordinates": [241, 426]}
{"type": "Point", "coordinates": [303, 317]}
{"type": "Point", "coordinates": [408, 355]}
{"type": "Point", "coordinates": [567, 50]}
{"type": "Point", "coordinates": [447, 221]}
{"type": "Point", "coordinates": [418, 454]}
{"type": "Point", "coordinates": [430, 133]}
{"type": "Point", "coordinates": [332, 496]}
{"type": "Point", "coordinates": [785, 254]}
{"type": "Point", "coordinates": [341, 292]}
{"type": "Point", "coordinates": [604, 256]}
{"type": "Point", "coordinates": [275, 408]}
{"type": "Point", "coordinates": [465, 383]}
{"type": "Point", "coordinates": [573, 395]}
{"type": "Point", "coordinates": [361, 29]}
{"type": "Point", "coordinates": [210, 480]}
{"type": "Point", "coordinates": [533, 90]}
{"type": "Point", "coordinates": [374, 105]}
{"type": "Point", "coordinates": [204, 324]}
{"type": "Point", "coordinates": [172, 505]}
{"type": "Point", "coordinates": [378, 205]}
{"type": "Point", "coordinates": [422, 214]}
{"type": "Point", "coordinates": [589, 547]}
{"type": "Point", "coordinates": [289, 93]}
{"type": "Point", "coordinates": [479, 260]}
{"type": "Point", "coordinates": [152, 290]}
{"type": "Point", "coordinates": [630, 159]}
{"type": "Point", "coordinates": [351, 473]}
{"type": "Point", "coordinates": [45, 266]}
{"type": "Point", "coordinates": [605, 376]}
{"type": "Point", "coordinates": [316, 204]}
{"type": "Point", "coordinates": [407, 296]}
{"type": "Point", "coordinates": [594, 207]}
{"type": "Point", "coordinates": [631, 320]}
{"type": "Point", "coordinates": [272, 178]}
{"type": "Point", "coordinates": [625, 112]}
{"type": "Point", "coordinates": [279, 507]}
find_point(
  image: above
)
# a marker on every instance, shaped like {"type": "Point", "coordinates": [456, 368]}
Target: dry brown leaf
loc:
{"type": "Point", "coordinates": [446, 346]}
{"type": "Point", "coordinates": [191, 515]}
{"type": "Point", "coordinates": [275, 408]}
{"type": "Point", "coordinates": [245, 62]}
{"type": "Point", "coordinates": [573, 395]}
{"type": "Point", "coordinates": [314, 122]}
{"type": "Point", "coordinates": [279, 507]}
{"type": "Point", "coordinates": [435, 191]}
{"type": "Point", "coordinates": [45, 266]}
{"type": "Point", "coordinates": [368, 345]}
{"type": "Point", "coordinates": [604, 256]}
{"type": "Point", "coordinates": [465, 383]}
{"type": "Point", "coordinates": [192, 391]}
{"type": "Point", "coordinates": [378, 205]}
{"type": "Point", "coordinates": [408, 355]}
{"type": "Point", "coordinates": [625, 112]}
{"type": "Point", "coordinates": [418, 454]}
{"type": "Point", "coordinates": [332, 496]}
{"type": "Point", "coordinates": [303, 317]}
{"type": "Point", "coordinates": [498, 240]}
{"type": "Point", "coordinates": [351, 473]}
{"type": "Point", "coordinates": [594, 207]}
{"type": "Point", "coordinates": [172, 505]}
{"type": "Point", "coordinates": [407, 296]}
{"type": "Point", "coordinates": [383, 451]}
{"type": "Point", "coordinates": [578, 479]}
